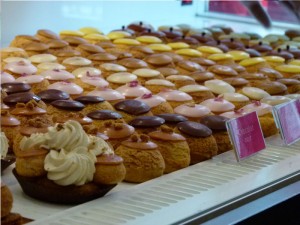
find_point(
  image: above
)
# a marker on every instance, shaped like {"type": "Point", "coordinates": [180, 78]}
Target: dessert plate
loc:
{"type": "Point", "coordinates": [45, 190]}
{"type": "Point", "coordinates": [7, 161]}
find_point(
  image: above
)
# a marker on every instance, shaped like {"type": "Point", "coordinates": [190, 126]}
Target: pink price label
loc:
{"type": "Point", "coordinates": [246, 135]}
{"type": "Point", "coordinates": [288, 119]}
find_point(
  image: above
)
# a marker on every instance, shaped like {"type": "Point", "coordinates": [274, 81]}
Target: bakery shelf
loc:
{"type": "Point", "coordinates": [198, 192]}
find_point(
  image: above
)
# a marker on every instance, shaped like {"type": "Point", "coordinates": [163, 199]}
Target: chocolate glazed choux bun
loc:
{"type": "Point", "coordinates": [218, 125]}
{"type": "Point", "coordinates": [201, 142]}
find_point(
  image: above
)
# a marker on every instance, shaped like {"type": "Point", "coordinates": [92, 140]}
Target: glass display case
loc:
{"type": "Point", "coordinates": [217, 191]}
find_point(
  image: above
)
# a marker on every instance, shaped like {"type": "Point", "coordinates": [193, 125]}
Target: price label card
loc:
{"type": "Point", "coordinates": [246, 135]}
{"type": "Point", "coordinates": [287, 118]}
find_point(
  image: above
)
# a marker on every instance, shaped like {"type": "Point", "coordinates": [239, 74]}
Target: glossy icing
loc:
{"type": "Point", "coordinates": [133, 89]}
{"type": "Point", "coordinates": [6, 78]}
{"type": "Point", "coordinates": [151, 100]}
{"type": "Point", "coordinates": [70, 88]}
{"type": "Point", "coordinates": [174, 95]}
{"type": "Point", "coordinates": [121, 77]}
{"type": "Point", "coordinates": [144, 72]}
{"type": "Point", "coordinates": [189, 52]}
{"type": "Point", "coordinates": [275, 100]}
{"type": "Point", "coordinates": [218, 105]}
{"type": "Point", "coordinates": [161, 82]}
{"type": "Point", "coordinates": [30, 79]}
{"type": "Point", "coordinates": [77, 61]}
{"type": "Point", "coordinates": [82, 72]}
{"type": "Point", "coordinates": [107, 93]}
{"type": "Point", "coordinates": [21, 67]}
{"type": "Point", "coordinates": [234, 97]}
{"type": "Point", "coordinates": [192, 110]}
{"type": "Point", "coordinates": [160, 47]}
{"type": "Point", "coordinates": [219, 86]}
{"type": "Point", "coordinates": [148, 39]}
{"type": "Point", "coordinates": [15, 59]}
{"type": "Point", "coordinates": [94, 81]}
{"type": "Point", "coordinates": [255, 93]}
{"type": "Point", "coordinates": [50, 66]}
{"type": "Point", "coordinates": [41, 58]}
{"type": "Point", "coordinates": [260, 108]}
{"type": "Point", "coordinates": [113, 67]}
{"type": "Point", "coordinates": [193, 88]}
{"type": "Point", "coordinates": [57, 74]}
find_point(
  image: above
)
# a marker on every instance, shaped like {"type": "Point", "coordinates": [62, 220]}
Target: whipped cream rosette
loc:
{"type": "Point", "coordinates": [66, 165]}
{"type": "Point", "coordinates": [3, 144]}
{"type": "Point", "coordinates": [73, 153]}
{"type": "Point", "coordinates": [6, 159]}
{"type": "Point", "coordinates": [66, 168]}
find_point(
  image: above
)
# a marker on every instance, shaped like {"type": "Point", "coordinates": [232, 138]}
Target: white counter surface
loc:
{"type": "Point", "coordinates": [195, 190]}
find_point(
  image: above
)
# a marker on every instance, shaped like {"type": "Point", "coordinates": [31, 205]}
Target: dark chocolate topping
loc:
{"type": "Point", "coordinates": [150, 32]}
{"type": "Point", "coordinates": [215, 122]}
{"type": "Point", "coordinates": [51, 95]}
{"type": "Point", "coordinates": [15, 87]}
{"type": "Point", "coordinates": [284, 54]}
{"type": "Point", "coordinates": [187, 40]}
{"type": "Point", "coordinates": [172, 118]}
{"type": "Point", "coordinates": [68, 105]}
{"type": "Point", "coordinates": [202, 38]}
{"type": "Point", "coordinates": [147, 121]}
{"type": "Point", "coordinates": [138, 27]}
{"type": "Point", "coordinates": [89, 99]}
{"type": "Point", "coordinates": [291, 33]}
{"type": "Point", "coordinates": [233, 44]}
{"type": "Point", "coordinates": [171, 34]}
{"type": "Point", "coordinates": [217, 44]}
{"type": "Point", "coordinates": [22, 97]}
{"type": "Point", "coordinates": [194, 129]}
{"type": "Point", "coordinates": [133, 107]}
{"type": "Point", "coordinates": [295, 52]}
{"type": "Point", "coordinates": [104, 115]}
{"type": "Point", "coordinates": [262, 47]}
{"type": "Point", "coordinates": [252, 52]}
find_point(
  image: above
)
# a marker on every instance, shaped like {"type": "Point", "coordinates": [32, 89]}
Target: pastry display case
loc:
{"type": "Point", "coordinates": [115, 78]}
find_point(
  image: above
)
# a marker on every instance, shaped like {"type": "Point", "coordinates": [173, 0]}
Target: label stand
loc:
{"type": "Point", "coordinates": [287, 118]}
{"type": "Point", "coordinates": [246, 135]}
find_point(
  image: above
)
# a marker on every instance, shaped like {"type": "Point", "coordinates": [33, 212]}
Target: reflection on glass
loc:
{"type": "Point", "coordinates": [276, 10]}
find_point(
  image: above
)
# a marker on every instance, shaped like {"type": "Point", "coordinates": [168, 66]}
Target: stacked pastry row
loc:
{"type": "Point", "coordinates": [128, 83]}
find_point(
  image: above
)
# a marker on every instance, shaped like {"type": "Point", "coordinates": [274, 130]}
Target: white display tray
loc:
{"type": "Point", "coordinates": [170, 198]}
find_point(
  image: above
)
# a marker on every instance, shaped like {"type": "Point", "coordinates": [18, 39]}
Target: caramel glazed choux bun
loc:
{"type": "Point", "coordinates": [173, 147]}
{"type": "Point", "coordinates": [7, 217]}
{"type": "Point", "coordinates": [142, 159]}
